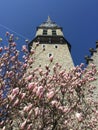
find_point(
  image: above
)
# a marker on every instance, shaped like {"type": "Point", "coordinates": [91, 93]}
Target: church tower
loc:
{"type": "Point", "coordinates": [51, 44]}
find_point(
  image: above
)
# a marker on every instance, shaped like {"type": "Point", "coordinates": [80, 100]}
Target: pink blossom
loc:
{"type": "Point", "coordinates": [91, 78]}
{"type": "Point", "coordinates": [96, 112]}
{"type": "Point", "coordinates": [31, 86]}
{"type": "Point", "coordinates": [37, 111]}
{"type": "Point", "coordinates": [4, 128]}
{"type": "Point", "coordinates": [32, 51]}
{"type": "Point", "coordinates": [23, 95]}
{"type": "Point", "coordinates": [81, 65]}
{"type": "Point", "coordinates": [65, 122]}
{"type": "Point", "coordinates": [24, 65]}
{"type": "Point", "coordinates": [2, 64]}
{"type": "Point", "coordinates": [13, 44]}
{"type": "Point", "coordinates": [61, 72]}
{"type": "Point", "coordinates": [16, 102]}
{"type": "Point", "coordinates": [79, 116]}
{"type": "Point", "coordinates": [6, 48]}
{"type": "Point", "coordinates": [30, 61]}
{"type": "Point", "coordinates": [24, 48]}
{"type": "Point", "coordinates": [29, 78]}
{"type": "Point", "coordinates": [51, 58]}
{"type": "Point", "coordinates": [27, 108]}
{"type": "Point", "coordinates": [40, 71]}
{"type": "Point", "coordinates": [55, 103]}
{"type": "Point", "coordinates": [13, 58]}
{"type": "Point", "coordinates": [22, 126]}
{"type": "Point", "coordinates": [35, 95]}
{"type": "Point", "coordinates": [39, 91]}
{"type": "Point", "coordinates": [50, 94]}
{"type": "Point", "coordinates": [10, 74]}
{"type": "Point", "coordinates": [24, 57]}
{"type": "Point", "coordinates": [61, 108]}
{"type": "Point", "coordinates": [29, 127]}
{"type": "Point", "coordinates": [35, 89]}
{"type": "Point", "coordinates": [78, 74]}
{"type": "Point", "coordinates": [92, 65]}
{"type": "Point", "coordinates": [11, 97]}
{"type": "Point", "coordinates": [15, 91]}
{"type": "Point", "coordinates": [1, 123]}
{"type": "Point", "coordinates": [66, 109]}
{"type": "Point", "coordinates": [30, 114]}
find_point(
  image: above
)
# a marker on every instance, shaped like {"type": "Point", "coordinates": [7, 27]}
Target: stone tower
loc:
{"type": "Point", "coordinates": [51, 44]}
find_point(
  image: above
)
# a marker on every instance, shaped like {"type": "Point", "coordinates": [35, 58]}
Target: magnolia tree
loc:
{"type": "Point", "coordinates": [44, 99]}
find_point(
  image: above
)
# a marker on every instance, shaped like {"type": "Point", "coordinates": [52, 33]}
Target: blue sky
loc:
{"type": "Point", "coordinates": [79, 19]}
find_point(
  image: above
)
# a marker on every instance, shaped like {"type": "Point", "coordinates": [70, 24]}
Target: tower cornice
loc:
{"type": "Point", "coordinates": [50, 40]}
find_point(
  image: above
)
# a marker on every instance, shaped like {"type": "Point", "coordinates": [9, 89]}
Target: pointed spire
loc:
{"type": "Point", "coordinates": [49, 23]}
{"type": "Point", "coordinates": [49, 20]}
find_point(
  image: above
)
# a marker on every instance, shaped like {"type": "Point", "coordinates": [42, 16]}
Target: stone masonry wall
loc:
{"type": "Point", "coordinates": [95, 83]}
{"type": "Point", "coordinates": [60, 53]}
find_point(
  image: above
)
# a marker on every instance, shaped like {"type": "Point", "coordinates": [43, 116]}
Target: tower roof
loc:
{"type": "Point", "coordinates": [49, 24]}
{"type": "Point", "coordinates": [49, 33]}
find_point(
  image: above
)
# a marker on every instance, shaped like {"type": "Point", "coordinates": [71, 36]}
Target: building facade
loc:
{"type": "Point", "coordinates": [94, 59]}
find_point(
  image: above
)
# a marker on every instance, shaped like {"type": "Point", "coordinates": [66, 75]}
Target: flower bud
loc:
{"type": "Point", "coordinates": [15, 91]}
{"type": "Point", "coordinates": [37, 111]}
{"type": "Point", "coordinates": [51, 58]}
{"type": "Point", "coordinates": [31, 86]}
{"type": "Point", "coordinates": [50, 95]}
{"type": "Point", "coordinates": [79, 116]}
{"type": "Point", "coordinates": [22, 126]}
